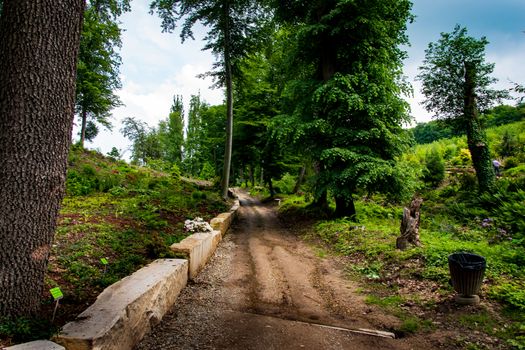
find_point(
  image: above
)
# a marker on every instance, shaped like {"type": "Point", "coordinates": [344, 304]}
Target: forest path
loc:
{"type": "Point", "coordinates": [266, 289]}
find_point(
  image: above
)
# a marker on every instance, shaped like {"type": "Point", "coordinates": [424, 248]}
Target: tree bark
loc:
{"type": "Point", "coordinates": [476, 138]}
{"type": "Point", "coordinates": [38, 55]}
{"type": "Point", "coordinates": [344, 207]}
{"type": "Point", "coordinates": [299, 179]}
{"type": "Point", "coordinates": [410, 225]}
{"type": "Point", "coordinates": [229, 107]}
{"type": "Point", "coordinates": [251, 175]}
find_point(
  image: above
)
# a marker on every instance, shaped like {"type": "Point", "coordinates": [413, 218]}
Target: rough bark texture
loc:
{"type": "Point", "coordinates": [410, 225]}
{"type": "Point", "coordinates": [40, 40]}
{"type": "Point", "coordinates": [229, 108]}
{"type": "Point", "coordinates": [344, 207]}
{"type": "Point", "coordinates": [300, 179]}
{"type": "Point", "coordinates": [476, 138]}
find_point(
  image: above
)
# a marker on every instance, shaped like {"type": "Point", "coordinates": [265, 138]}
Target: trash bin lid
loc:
{"type": "Point", "coordinates": [469, 261]}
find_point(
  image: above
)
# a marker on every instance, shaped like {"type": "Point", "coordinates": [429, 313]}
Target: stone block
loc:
{"type": "Point", "coordinates": [125, 311]}
{"type": "Point", "coordinates": [222, 222]}
{"type": "Point", "coordinates": [199, 248]}
{"type": "Point", "coordinates": [36, 345]}
{"type": "Point", "coordinates": [236, 205]}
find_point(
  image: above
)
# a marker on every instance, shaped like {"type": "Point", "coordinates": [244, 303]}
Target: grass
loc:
{"type": "Point", "coordinates": [454, 217]}
{"type": "Point", "coordinates": [369, 243]}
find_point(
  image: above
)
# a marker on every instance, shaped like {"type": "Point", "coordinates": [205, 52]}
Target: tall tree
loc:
{"type": "Point", "coordinates": [234, 28]}
{"type": "Point", "coordinates": [38, 56]}
{"type": "Point", "coordinates": [346, 88]}
{"type": "Point", "coordinates": [146, 141]}
{"type": "Point", "coordinates": [171, 132]}
{"type": "Point", "coordinates": [456, 83]}
{"type": "Point", "coordinates": [98, 66]}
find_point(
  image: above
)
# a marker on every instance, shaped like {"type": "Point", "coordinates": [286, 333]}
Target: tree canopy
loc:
{"type": "Point", "coordinates": [98, 66]}
{"type": "Point", "coordinates": [443, 74]}
{"type": "Point", "coordinates": [347, 93]}
{"type": "Point", "coordinates": [456, 83]}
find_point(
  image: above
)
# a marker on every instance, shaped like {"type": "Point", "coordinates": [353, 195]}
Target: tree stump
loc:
{"type": "Point", "coordinates": [410, 225]}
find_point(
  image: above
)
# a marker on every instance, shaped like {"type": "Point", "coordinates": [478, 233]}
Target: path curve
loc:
{"type": "Point", "coordinates": [266, 289]}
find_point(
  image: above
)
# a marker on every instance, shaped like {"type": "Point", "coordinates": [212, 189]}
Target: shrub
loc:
{"type": "Point", "coordinates": [207, 172]}
{"type": "Point", "coordinates": [198, 195]}
{"type": "Point", "coordinates": [286, 184]}
{"type": "Point", "coordinates": [511, 162]}
{"type": "Point", "coordinates": [434, 172]}
{"type": "Point", "coordinates": [175, 172]}
{"type": "Point", "coordinates": [463, 158]}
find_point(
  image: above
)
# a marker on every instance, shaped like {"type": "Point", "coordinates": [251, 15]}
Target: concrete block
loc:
{"type": "Point", "coordinates": [125, 311]}
{"type": "Point", "coordinates": [199, 248]}
{"type": "Point", "coordinates": [36, 345]}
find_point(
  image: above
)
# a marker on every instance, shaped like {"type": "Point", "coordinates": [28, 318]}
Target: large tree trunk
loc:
{"type": "Point", "coordinates": [229, 108]}
{"type": "Point", "coordinates": [344, 207]}
{"type": "Point", "coordinates": [476, 138]}
{"type": "Point", "coordinates": [38, 55]}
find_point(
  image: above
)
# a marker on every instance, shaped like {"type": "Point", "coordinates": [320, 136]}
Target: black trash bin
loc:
{"type": "Point", "coordinates": [466, 271]}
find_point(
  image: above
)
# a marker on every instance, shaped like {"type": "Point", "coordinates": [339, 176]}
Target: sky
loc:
{"type": "Point", "coordinates": [156, 66]}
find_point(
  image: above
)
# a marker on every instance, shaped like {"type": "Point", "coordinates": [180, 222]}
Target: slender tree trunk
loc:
{"type": "Point", "coordinates": [476, 138]}
{"type": "Point", "coordinates": [299, 179]}
{"type": "Point", "coordinates": [83, 128]}
{"type": "Point", "coordinates": [38, 55]}
{"type": "Point", "coordinates": [229, 107]}
{"type": "Point", "coordinates": [250, 173]}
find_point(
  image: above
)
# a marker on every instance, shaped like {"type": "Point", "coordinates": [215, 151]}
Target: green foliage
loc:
{"type": "Point", "coordinates": [98, 66]}
{"type": "Point", "coordinates": [504, 114]}
{"type": "Point", "coordinates": [170, 133]}
{"type": "Point", "coordinates": [512, 293]}
{"type": "Point", "coordinates": [286, 184]}
{"type": "Point", "coordinates": [175, 172]}
{"type": "Point", "coordinates": [456, 83]}
{"type": "Point", "coordinates": [443, 75]}
{"type": "Point", "coordinates": [114, 153]}
{"type": "Point", "coordinates": [434, 172]}
{"type": "Point", "coordinates": [431, 131]}
{"type": "Point", "coordinates": [207, 172]}
{"type": "Point", "coordinates": [205, 138]}
{"type": "Point", "coordinates": [146, 144]}
{"type": "Point", "coordinates": [25, 329]}
{"type": "Point", "coordinates": [345, 95]}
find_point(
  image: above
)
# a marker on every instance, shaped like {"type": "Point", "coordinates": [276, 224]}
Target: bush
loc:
{"type": "Point", "coordinates": [175, 172]}
{"type": "Point", "coordinates": [207, 172]}
{"type": "Point", "coordinates": [511, 162]}
{"type": "Point", "coordinates": [434, 172]}
{"type": "Point", "coordinates": [286, 184]}
{"type": "Point", "coordinates": [463, 158]}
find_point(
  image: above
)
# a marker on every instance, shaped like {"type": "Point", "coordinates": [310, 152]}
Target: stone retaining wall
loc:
{"type": "Point", "coordinates": [125, 311]}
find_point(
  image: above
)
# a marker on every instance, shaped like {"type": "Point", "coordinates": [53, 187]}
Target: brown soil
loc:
{"type": "Point", "coordinates": [266, 289]}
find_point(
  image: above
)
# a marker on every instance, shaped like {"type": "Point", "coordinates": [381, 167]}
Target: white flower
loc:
{"type": "Point", "coordinates": [197, 225]}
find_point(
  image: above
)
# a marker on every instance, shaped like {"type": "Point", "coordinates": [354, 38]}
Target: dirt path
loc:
{"type": "Point", "coordinates": [266, 289]}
